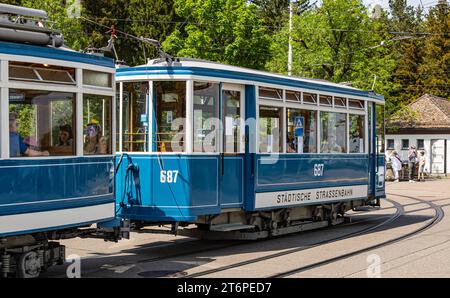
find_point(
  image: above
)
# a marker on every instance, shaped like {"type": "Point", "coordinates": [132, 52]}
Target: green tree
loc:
{"type": "Point", "coordinates": [275, 13]}
{"type": "Point", "coordinates": [227, 31]}
{"type": "Point", "coordinates": [435, 70]}
{"type": "Point", "coordinates": [407, 22]}
{"type": "Point", "coordinates": [336, 41]}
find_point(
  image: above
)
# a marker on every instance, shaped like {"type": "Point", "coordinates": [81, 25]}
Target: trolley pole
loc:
{"type": "Point", "coordinates": [290, 40]}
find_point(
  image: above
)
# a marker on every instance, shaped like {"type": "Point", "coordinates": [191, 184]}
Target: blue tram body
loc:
{"type": "Point", "coordinates": [254, 177]}
{"type": "Point", "coordinates": [53, 184]}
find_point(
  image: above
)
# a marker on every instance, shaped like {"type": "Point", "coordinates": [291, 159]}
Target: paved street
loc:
{"type": "Point", "coordinates": [409, 236]}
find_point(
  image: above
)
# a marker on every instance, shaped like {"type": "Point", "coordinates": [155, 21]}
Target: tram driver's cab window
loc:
{"type": "Point", "coordinates": [170, 113]}
{"type": "Point", "coordinates": [270, 132]}
{"type": "Point", "coordinates": [356, 134]}
{"type": "Point", "coordinates": [206, 114]}
{"type": "Point", "coordinates": [41, 123]}
{"type": "Point", "coordinates": [96, 124]}
{"type": "Point", "coordinates": [333, 132]}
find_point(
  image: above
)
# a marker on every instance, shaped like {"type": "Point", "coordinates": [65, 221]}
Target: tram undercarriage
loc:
{"type": "Point", "coordinates": [27, 256]}
{"type": "Point", "coordinates": [236, 224]}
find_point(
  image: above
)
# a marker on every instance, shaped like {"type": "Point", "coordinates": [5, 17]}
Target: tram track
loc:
{"type": "Point", "coordinates": [438, 216]}
{"type": "Point", "coordinates": [399, 212]}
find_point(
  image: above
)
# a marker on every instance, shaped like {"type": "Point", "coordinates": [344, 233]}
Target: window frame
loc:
{"type": "Point", "coordinates": [407, 146]}
{"type": "Point", "coordinates": [78, 89]}
{"type": "Point", "coordinates": [388, 143]}
{"type": "Point", "coordinates": [318, 108]}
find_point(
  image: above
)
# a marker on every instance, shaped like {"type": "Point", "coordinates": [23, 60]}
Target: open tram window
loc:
{"type": "Point", "coordinates": [206, 116]}
{"type": "Point", "coordinates": [356, 134]}
{"type": "Point", "coordinates": [340, 102]}
{"type": "Point", "coordinates": [170, 113]}
{"type": "Point", "coordinates": [325, 100]}
{"type": "Point", "coordinates": [293, 96]}
{"type": "Point", "coordinates": [44, 73]}
{"type": "Point", "coordinates": [270, 93]}
{"type": "Point", "coordinates": [310, 98]}
{"type": "Point", "coordinates": [301, 131]}
{"type": "Point", "coordinates": [96, 124]}
{"type": "Point", "coordinates": [333, 132]}
{"type": "Point", "coordinates": [41, 123]}
{"type": "Point", "coordinates": [135, 119]}
{"type": "Point", "coordinates": [270, 123]}
{"type": "Point", "coordinates": [356, 104]}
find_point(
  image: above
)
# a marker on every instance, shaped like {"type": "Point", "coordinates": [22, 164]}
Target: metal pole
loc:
{"type": "Point", "coordinates": [290, 39]}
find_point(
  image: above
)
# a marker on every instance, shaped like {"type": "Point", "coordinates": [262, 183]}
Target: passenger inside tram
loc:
{"type": "Point", "coordinates": [65, 141]}
{"type": "Point", "coordinates": [94, 142]}
{"type": "Point", "coordinates": [331, 146]}
{"type": "Point", "coordinates": [17, 146]}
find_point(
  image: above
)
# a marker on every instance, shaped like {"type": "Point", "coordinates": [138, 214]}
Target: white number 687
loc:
{"type": "Point", "coordinates": [168, 176]}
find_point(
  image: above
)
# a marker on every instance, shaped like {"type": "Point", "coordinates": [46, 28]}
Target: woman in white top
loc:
{"type": "Point", "coordinates": [422, 166]}
{"type": "Point", "coordinates": [396, 164]}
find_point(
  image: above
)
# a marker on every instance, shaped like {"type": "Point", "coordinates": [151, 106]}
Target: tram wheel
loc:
{"type": "Point", "coordinates": [29, 265]}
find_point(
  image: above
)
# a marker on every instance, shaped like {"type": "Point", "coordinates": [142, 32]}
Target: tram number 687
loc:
{"type": "Point", "coordinates": [318, 169]}
{"type": "Point", "coordinates": [168, 176]}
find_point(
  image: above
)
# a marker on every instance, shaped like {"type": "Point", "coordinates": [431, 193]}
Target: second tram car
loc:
{"type": "Point", "coordinates": [246, 153]}
{"type": "Point", "coordinates": [56, 152]}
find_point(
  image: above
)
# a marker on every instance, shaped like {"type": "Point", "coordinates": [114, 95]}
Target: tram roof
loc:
{"type": "Point", "coordinates": [203, 68]}
{"type": "Point", "coordinates": [48, 52]}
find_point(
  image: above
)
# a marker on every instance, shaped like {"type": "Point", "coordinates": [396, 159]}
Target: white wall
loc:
{"type": "Point", "coordinates": [413, 141]}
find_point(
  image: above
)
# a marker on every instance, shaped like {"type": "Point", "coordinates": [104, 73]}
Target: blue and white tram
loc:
{"type": "Point", "coordinates": [56, 152]}
{"type": "Point", "coordinates": [247, 153]}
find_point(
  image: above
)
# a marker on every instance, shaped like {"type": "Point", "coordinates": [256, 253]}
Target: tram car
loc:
{"type": "Point", "coordinates": [56, 152]}
{"type": "Point", "coordinates": [241, 153]}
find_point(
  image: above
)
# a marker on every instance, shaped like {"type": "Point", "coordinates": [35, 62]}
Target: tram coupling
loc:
{"type": "Point", "coordinates": [114, 230]}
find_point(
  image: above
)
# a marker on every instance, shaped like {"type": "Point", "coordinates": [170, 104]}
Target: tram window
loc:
{"type": "Point", "coordinates": [326, 100]}
{"type": "Point", "coordinates": [135, 120]}
{"type": "Point", "coordinates": [206, 115]}
{"type": "Point", "coordinates": [96, 124]}
{"type": "Point", "coordinates": [356, 104]}
{"type": "Point", "coordinates": [270, 93]}
{"type": "Point", "coordinates": [41, 123]}
{"type": "Point", "coordinates": [41, 73]}
{"type": "Point", "coordinates": [340, 102]}
{"type": "Point", "coordinates": [303, 141]}
{"type": "Point", "coordinates": [293, 96]}
{"type": "Point", "coordinates": [96, 78]}
{"type": "Point", "coordinates": [231, 120]}
{"type": "Point", "coordinates": [309, 98]}
{"type": "Point", "coordinates": [333, 132]}
{"type": "Point", "coordinates": [270, 136]}
{"type": "Point", "coordinates": [170, 112]}
{"type": "Point", "coordinates": [380, 128]}
{"type": "Point", "coordinates": [356, 134]}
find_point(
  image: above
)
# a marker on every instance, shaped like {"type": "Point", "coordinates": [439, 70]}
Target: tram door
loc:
{"type": "Point", "coordinates": [232, 146]}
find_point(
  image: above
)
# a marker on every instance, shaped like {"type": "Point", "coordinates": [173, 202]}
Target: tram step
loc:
{"type": "Point", "coordinates": [230, 227]}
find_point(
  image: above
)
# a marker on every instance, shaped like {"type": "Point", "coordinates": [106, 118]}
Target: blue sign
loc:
{"type": "Point", "coordinates": [144, 119]}
{"type": "Point", "coordinates": [298, 127]}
